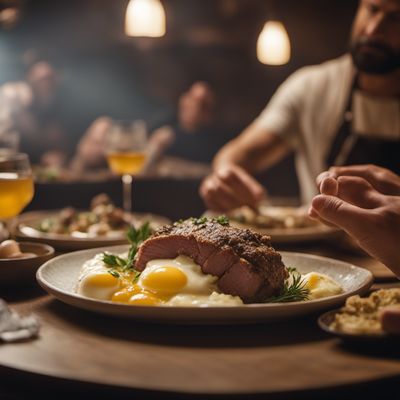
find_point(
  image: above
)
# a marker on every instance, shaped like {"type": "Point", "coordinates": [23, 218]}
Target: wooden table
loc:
{"type": "Point", "coordinates": [82, 352]}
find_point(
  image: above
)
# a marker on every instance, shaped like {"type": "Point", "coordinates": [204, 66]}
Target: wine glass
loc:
{"type": "Point", "coordinates": [126, 152]}
{"type": "Point", "coordinates": [16, 185]}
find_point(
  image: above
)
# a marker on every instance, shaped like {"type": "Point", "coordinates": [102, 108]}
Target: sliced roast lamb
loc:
{"type": "Point", "coordinates": [244, 261]}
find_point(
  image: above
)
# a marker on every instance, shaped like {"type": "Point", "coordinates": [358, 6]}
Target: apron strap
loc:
{"type": "Point", "coordinates": [349, 148]}
{"type": "Point", "coordinates": [344, 132]}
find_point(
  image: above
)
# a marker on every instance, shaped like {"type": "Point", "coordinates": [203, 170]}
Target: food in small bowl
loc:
{"type": "Point", "coordinates": [10, 249]}
{"type": "Point", "coordinates": [20, 260]}
{"type": "Point", "coordinates": [361, 315]}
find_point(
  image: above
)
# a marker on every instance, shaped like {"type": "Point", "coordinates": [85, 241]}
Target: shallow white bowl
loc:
{"type": "Point", "coordinates": [60, 275]}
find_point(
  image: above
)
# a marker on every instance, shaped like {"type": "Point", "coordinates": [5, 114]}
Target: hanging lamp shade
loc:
{"type": "Point", "coordinates": [273, 44]}
{"type": "Point", "coordinates": [145, 18]}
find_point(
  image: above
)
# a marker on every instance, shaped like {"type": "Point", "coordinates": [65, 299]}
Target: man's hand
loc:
{"type": "Point", "coordinates": [231, 187]}
{"type": "Point", "coordinates": [370, 217]}
{"type": "Point", "coordinates": [383, 180]}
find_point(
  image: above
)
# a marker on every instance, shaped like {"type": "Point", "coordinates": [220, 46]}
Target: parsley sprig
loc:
{"type": "Point", "coordinates": [118, 265]}
{"type": "Point", "coordinates": [221, 219]}
{"type": "Point", "coordinates": [294, 289]}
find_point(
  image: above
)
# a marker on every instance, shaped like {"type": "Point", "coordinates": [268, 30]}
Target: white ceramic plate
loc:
{"type": "Point", "coordinates": [26, 229]}
{"type": "Point", "coordinates": [60, 275]}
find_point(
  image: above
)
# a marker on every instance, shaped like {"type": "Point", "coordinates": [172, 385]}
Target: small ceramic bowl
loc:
{"type": "Point", "coordinates": [374, 344]}
{"type": "Point", "coordinates": [21, 271]}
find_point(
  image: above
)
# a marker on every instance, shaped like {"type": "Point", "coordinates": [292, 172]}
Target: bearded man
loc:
{"type": "Point", "coordinates": [342, 112]}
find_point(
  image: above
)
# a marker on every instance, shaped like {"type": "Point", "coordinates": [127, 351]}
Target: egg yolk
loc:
{"type": "Point", "coordinates": [144, 299]}
{"type": "Point", "coordinates": [125, 294]}
{"type": "Point", "coordinates": [313, 280]}
{"type": "Point", "coordinates": [102, 280]}
{"type": "Point", "coordinates": [165, 281]}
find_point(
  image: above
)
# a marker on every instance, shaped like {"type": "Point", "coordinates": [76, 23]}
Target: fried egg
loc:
{"type": "Point", "coordinates": [179, 282]}
{"type": "Point", "coordinates": [320, 285]}
{"type": "Point", "coordinates": [181, 275]}
{"type": "Point", "coordinates": [96, 282]}
{"type": "Point", "coordinates": [164, 282]}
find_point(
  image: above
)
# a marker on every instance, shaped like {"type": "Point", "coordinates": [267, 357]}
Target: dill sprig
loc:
{"type": "Point", "coordinates": [117, 264]}
{"type": "Point", "coordinates": [294, 289]}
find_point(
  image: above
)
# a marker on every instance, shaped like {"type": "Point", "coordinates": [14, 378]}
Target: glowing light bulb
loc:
{"type": "Point", "coordinates": [145, 18]}
{"type": "Point", "coordinates": [273, 44]}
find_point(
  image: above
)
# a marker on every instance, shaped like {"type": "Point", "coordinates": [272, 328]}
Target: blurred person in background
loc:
{"type": "Point", "coordinates": [364, 201]}
{"type": "Point", "coordinates": [32, 108]}
{"type": "Point", "coordinates": [344, 111]}
{"type": "Point", "coordinates": [196, 136]}
{"type": "Point", "coordinates": [189, 134]}
{"type": "Point", "coordinates": [90, 151]}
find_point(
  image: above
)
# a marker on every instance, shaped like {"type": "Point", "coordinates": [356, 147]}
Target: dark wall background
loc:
{"type": "Point", "coordinates": [213, 40]}
{"type": "Point", "coordinates": [104, 72]}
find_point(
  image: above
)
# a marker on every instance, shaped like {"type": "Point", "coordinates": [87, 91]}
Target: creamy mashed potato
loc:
{"type": "Point", "coordinates": [361, 315]}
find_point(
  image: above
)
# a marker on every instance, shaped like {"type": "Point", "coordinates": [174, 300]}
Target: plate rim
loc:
{"type": "Point", "coordinates": [199, 311]}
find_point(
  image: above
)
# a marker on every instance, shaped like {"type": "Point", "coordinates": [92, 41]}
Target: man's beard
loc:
{"type": "Point", "coordinates": [382, 59]}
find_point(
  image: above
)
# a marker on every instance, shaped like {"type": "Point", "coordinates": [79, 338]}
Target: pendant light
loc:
{"type": "Point", "coordinates": [145, 18]}
{"type": "Point", "coordinates": [273, 44]}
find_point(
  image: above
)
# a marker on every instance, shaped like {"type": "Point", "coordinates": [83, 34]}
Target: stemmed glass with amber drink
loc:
{"type": "Point", "coordinates": [126, 146]}
{"type": "Point", "coordinates": [16, 185]}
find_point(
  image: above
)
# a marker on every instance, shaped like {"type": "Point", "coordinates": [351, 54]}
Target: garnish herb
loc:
{"type": "Point", "coordinates": [294, 289]}
{"type": "Point", "coordinates": [113, 260]}
{"type": "Point", "coordinates": [114, 273]}
{"type": "Point", "coordinates": [136, 277]}
{"type": "Point", "coordinates": [221, 219]}
{"type": "Point", "coordinates": [117, 264]}
{"type": "Point", "coordinates": [199, 221]}
{"type": "Point", "coordinates": [137, 236]}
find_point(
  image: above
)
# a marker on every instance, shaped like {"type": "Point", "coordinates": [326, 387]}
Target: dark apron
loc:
{"type": "Point", "coordinates": [349, 148]}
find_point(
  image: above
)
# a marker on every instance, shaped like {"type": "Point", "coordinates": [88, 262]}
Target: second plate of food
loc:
{"type": "Point", "coordinates": [87, 232]}
{"type": "Point", "coordinates": [283, 224]}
